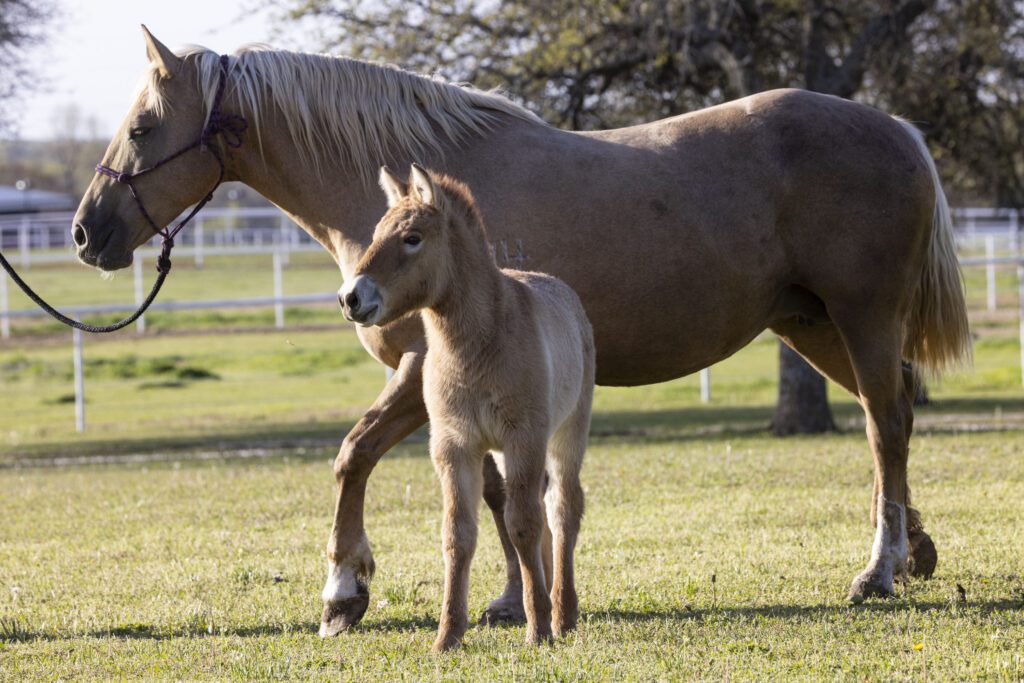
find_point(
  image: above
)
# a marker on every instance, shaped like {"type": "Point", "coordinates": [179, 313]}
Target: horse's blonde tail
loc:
{"type": "Point", "coordinates": [937, 332]}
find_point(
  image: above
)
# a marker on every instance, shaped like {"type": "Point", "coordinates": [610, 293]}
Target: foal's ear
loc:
{"type": "Point", "coordinates": [394, 188]}
{"type": "Point", "coordinates": [166, 61]}
{"type": "Point", "coordinates": [422, 186]}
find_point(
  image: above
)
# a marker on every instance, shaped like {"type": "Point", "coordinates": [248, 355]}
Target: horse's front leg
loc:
{"type": "Point", "coordinates": [396, 413]}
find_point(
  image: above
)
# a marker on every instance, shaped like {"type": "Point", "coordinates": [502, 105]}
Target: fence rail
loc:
{"type": "Point", "coordinates": [34, 236]}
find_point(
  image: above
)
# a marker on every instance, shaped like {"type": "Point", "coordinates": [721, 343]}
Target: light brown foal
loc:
{"type": "Point", "coordinates": [509, 369]}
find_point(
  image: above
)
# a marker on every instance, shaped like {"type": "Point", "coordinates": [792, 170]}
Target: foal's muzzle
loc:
{"type": "Point", "coordinates": [361, 301]}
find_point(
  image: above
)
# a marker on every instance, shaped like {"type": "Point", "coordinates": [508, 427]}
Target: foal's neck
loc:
{"type": "Point", "coordinates": [470, 308]}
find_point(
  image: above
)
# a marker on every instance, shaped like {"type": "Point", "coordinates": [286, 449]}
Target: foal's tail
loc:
{"type": "Point", "coordinates": [937, 332]}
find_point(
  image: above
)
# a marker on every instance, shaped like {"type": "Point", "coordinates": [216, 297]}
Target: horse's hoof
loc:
{"type": "Point", "coordinates": [503, 611]}
{"type": "Point", "coordinates": [339, 615]}
{"type": "Point", "coordinates": [923, 556]}
{"type": "Point", "coordinates": [869, 584]}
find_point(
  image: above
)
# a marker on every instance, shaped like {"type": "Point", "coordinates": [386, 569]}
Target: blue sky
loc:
{"type": "Point", "coordinates": [95, 53]}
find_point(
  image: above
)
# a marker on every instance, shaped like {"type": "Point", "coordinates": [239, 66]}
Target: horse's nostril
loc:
{"type": "Point", "coordinates": [352, 300]}
{"type": "Point", "coordinates": [78, 234]}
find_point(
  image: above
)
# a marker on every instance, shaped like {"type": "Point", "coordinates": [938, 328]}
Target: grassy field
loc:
{"type": "Point", "coordinates": [709, 550]}
{"type": "Point", "coordinates": [709, 558]}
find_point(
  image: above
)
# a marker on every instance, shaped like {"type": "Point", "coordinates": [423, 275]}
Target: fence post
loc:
{"type": "Point", "coordinates": [278, 292]}
{"type": "Point", "coordinates": [23, 242]}
{"type": "Point", "coordinates": [140, 324]}
{"type": "Point", "coordinates": [5, 322]}
{"type": "Point", "coordinates": [705, 385]}
{"type": "Point", "coordinates": [76, 335]}
{"type": "Point", "coordinates": [199, 238]}
{"type": "Point", "coordinates": [990, 270]}
{"type": "Point", "coordinates": [284, 237]}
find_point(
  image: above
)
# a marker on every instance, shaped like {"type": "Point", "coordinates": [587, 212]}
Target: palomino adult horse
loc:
{"type": "Point", "coordinates": [509, 369]}
{"type": "Point", "coordinates": [821, 219]}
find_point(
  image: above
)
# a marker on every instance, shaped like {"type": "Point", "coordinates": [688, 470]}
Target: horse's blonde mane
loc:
{"type": "Point", "coordinates": [337, 107]}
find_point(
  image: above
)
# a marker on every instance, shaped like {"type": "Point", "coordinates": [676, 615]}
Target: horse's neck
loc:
{"type": "Point", "coordinates": [336, 206]}
{"type": "Point", "coordinates": [470, 308]}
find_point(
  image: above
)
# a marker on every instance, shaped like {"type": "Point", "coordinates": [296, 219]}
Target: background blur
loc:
{"type": "Point", "coordinates": [68, 70]}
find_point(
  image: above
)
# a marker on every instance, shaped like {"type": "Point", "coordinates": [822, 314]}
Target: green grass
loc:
{"type": "Point", "coordinates": [709, 550]}
{"type": "Point", "coordinates": [710, 558]}
{"type": "Point", "coordinates": [221, 277]}
{"type": "Point", "coordinates": [260, 389]}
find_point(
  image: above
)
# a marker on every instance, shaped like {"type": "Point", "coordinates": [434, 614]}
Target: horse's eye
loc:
{"type": "Point", "coordinates": [412, 240]}
{"type": "Point", "coordinates": [138, 132]}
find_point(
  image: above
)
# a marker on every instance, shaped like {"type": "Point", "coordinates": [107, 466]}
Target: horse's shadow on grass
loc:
{"type": "Point", "coordinates": [12, 634]}
{"type": "Point", "coordinates": [686, 614]}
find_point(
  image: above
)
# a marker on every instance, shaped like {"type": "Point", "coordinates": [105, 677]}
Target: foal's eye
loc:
{"type": "Point", "coordinates": [412, 240]}
{"type": "Point", "coordinates": [138, 132]}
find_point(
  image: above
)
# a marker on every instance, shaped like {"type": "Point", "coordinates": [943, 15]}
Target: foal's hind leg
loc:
{"type": "Point", "coordinates": [564, 500]}
{"type": "Point", "coordinates": [507, 607]}
{"type": "Point", "coordinates": [524, 474]}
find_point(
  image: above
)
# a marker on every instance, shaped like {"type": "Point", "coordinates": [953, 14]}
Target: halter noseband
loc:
{"type": "Point", "coordinates": [230, 127]}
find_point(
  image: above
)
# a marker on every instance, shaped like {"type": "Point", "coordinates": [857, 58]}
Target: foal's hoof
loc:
{"type": "Point", "coordinates": [923, 556]}
{"type": "Point", "coordinates": [503, 611]}
{"type": "Point", "coordinates": [446, 643]}
{"type": "Point", "coordinates": [540, 638]}
{"type": "Point", "coordinates": [869, 584]}
{"type": "Point", "coordinates": [339, 615]}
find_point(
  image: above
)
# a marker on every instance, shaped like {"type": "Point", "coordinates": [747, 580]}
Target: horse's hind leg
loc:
{"type": "Point", "coordinates": [564, 501]}
{"type": "Point", "coordinates": [874, 352]}
{"type": "Point", "coordinates": [821, 344]}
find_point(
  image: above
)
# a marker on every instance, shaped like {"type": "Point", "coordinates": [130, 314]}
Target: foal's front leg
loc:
{"type": "Point", "coordinates": [524, 516]}
{"type": "Point", "coordinates": [460, 471]}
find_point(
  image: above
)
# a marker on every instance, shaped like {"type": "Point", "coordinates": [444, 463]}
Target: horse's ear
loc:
{"type": "Point", "coordinates": [422, 186]}
{"type": "Point", "coordinates": [394, 188]}
{"type": "Point", "coordinates": [157, 52]}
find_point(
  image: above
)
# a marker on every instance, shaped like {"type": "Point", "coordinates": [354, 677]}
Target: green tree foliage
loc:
{"type": "Point", "coordinates": [952, 65]}
{"type": "Point", "coordinates": [21, 24]}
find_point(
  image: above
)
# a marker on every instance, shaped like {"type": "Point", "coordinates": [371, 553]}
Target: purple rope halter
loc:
{"type": "Point", "coordinates": [231, 128]}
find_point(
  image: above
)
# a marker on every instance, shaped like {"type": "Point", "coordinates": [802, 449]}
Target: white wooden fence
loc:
{"type": "Point", "coordinates": [987, 225]}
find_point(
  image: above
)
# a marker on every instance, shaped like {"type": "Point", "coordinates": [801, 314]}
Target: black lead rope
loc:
{"type": "Point", "coordinates": [71, 322]}
{"type": "Point", "coordinates": [231, 128]}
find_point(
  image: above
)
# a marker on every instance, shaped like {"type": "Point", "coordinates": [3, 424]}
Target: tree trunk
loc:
{"type": "Point", "coordinates": [803, 399]}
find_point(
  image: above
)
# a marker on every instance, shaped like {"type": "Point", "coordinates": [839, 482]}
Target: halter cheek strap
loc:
{"type": "Point", "coordinates": [231, 129]}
